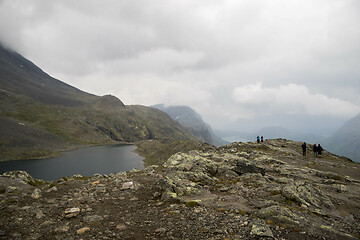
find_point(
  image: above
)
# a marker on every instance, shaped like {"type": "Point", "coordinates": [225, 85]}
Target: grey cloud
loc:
{"type": "Point", "coordinates": [197, 52]}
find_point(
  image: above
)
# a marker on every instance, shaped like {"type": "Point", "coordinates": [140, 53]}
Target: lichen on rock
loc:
{"type": "Point", "coordinates": [307, 194]}
{"type": "Point", "coordinates": [281, 214]}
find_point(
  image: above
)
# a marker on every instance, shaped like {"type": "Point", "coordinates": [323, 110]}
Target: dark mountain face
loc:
{"type": "Point", "coordinates": [33, 104]}
{"type": "Point", "coordinates": [346, 141]}
{"type": "Point", "coordinates": [19, 75]}
{"type": "Point", "coordinates": [190, 119]}
{"type": "Point", "coordinates": [183, 114]}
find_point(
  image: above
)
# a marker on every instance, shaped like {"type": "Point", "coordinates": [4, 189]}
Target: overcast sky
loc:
{"type": "Point", "coordinates": [240, 64]}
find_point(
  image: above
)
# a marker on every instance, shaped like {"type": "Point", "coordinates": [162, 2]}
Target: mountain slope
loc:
{"type": "Point", "coordinates": [33, 104]}
{"type": "Point", "coordinates": [346, 141]}
{"type": "Point", "coordinates": [190, 119]}
{"type": "Point", "coordinates": [19, 75]}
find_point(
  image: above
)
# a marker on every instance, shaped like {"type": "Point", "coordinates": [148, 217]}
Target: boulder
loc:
{"type": "Point", "coordinates": [280, 214]}
{"type": "Point", "coordinates": [36, 194]}
{"type": "Point", "coordinates": [192, 173]}
{"type": "Point", "coordinates": [307, 194]}
{"type": "Point", "coordinates": [187, 173]}
{"type": "Point", "coordinates": [19, 174]}
{"type": "Point", "coordinates": [261, 229]}
{"type": "Point", "coordinates": [128, 185]}
{"type": "Point", "coordinates": [71, 212]}
{"type": "Point", "coordinates": [243, 167]}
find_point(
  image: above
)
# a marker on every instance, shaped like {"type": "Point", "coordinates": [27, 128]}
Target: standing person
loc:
{"type": "Point", "coordinates": [303, 146]}
{"type": "Point", "coordinates": [258, 139]}
{"type": "Point", "coordinates": [315, 149]}
{"type": "Point", "coordinates": [262, 139]}
{"type": "Point", "coordinates": [319, 150]}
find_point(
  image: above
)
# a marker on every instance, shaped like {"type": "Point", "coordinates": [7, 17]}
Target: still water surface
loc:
{"type": "Point", "coordinates": [85, 161]}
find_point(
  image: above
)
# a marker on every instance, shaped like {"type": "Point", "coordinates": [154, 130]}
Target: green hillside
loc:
{"type": "Point", "coordinates": [40, 115]}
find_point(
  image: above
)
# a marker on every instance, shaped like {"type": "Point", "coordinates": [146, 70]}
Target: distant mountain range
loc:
{"type": "Point", "coordinates": [191, 120]}
{"type": "Point", "coordinates": [271, 132]}
{"type": "Point", "coordinates": [281, 132]}
{"type": "Point", "coordinates": [40, 115]}
{"type": "Point", "coordinates": [346, 141]}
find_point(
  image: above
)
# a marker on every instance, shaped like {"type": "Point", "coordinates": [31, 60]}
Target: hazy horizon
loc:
{"type": "Point", "coordinates": [242, 65]}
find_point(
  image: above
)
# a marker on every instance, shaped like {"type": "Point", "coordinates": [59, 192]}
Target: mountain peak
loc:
{"type": "Point", "coordinates": [18, 75]}
{"type": "Point", "coordinates": [190, 119]}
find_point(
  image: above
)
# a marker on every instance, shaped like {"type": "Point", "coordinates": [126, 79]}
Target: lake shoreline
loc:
{"type": "Point", "coordinates": [86, 161]}
{"type": "Point", "coordinates": [57, 153]}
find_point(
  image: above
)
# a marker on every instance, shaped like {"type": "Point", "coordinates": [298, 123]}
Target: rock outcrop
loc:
{"type": "Point", "coordinates": [239, 191]}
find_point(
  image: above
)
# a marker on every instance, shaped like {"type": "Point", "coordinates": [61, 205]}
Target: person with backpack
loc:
{"type": "Point", "coordinates": [303, 146]}
{"type": "Point", "coordinates": [315, 149]}
{"type": "Point", "coordinates": [319, 150]}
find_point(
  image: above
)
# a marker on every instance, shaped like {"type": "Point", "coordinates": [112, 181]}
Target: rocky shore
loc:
{"type": "Point", "coordinates": [239, 191]}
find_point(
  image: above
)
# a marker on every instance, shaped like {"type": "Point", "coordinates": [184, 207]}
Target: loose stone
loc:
{"type": "Point", "coordinates": [36, 194]}
{"type": "Point", "coordinates": [82, 230]}
{"type": "Point", "coordinates": [71, 212]}
{"type": "Point", "coordinates": [121, 227]}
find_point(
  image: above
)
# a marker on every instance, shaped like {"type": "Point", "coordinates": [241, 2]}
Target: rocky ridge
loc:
{"type": "Point", "coordinates": [239, 191]}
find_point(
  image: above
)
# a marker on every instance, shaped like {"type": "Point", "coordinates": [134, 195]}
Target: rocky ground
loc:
{"type": "Point", "coordinates": [239, 191]}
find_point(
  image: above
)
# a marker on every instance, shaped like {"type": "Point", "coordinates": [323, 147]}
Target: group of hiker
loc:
{"type": "Point", "coordinates": [317, 149]}
{"type": "Point", "coordinates": [260, 140]}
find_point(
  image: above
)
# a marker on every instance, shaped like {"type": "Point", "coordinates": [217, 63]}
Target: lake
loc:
{"type": "Point", "coordinates": [85, 161]}
{"type": "Point", "coordinates": [232, 139]}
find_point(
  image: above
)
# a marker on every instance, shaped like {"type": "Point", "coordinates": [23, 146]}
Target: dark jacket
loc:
{"type": "Point", "coordinates": [319, 149]}
{"type": "Point", "coordinates": [315, 148]}
{"type": "Point", "coordinates": [303, 146]}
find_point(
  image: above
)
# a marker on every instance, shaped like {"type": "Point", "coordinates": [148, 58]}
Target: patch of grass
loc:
{"type": "Point", "coordinates": [269, 222]}
{"type": "Point", "coordinates": [156, 152]}
{"type": "Point", "coordinates": [221, 210]}
{"type": "Point", "coordinates": [192, 203]}
{"type": "Point", "coordinates": [241, 212]}
{"type": "Point", "coordinates": [36, 183]}
{"type": "Point", "coordinates": [11, 201]}
{"type": "Point", "coordinates": [311, 164]}
{"type": "Point", "coordinates": [297, 229]}
{"type": "Point", "coordinates": [226, 182]}
{"type": "Point", "coordinates": [15, 192]}
{"type": "Point", "coordinates": [275, 192]}
{"type": "Point", "coordinates": [52, 185]}
{"type": "Point", "coordinates": [83, 178]}
{"type": "Point", "coordinates": [282, 225]}
{"type": "Point", "coordinates": [337, 177]}
{"type": "Point", "coordinates": [290, 201]}
{"type": "Point", "coordinates": [171, 212]}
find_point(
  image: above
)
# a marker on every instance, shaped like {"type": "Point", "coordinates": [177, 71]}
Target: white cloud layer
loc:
{"type": "Point", "coordinates": [231, 60]}
{"type": "Point", "coordinates": [292, 99]}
